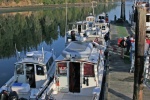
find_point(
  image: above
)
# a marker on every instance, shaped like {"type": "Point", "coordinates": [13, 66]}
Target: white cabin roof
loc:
{"type": "Point", "coordinates": [36, 57]}
{"type": "Point", "coordinates": [80, 51]}
{"type": "Point", "coordinates": [102, 14]}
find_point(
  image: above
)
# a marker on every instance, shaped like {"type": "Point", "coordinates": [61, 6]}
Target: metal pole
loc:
{"type": "Point", "coordinates": [66, 23]}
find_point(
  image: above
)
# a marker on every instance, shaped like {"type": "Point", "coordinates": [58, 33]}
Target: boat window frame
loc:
{"type": "Point", "coordinates": [22, 69]}
{"type": "Point", "coordinates": [147, 18]}
{"type": "Point", "coordinates": [42, 66]}
{"type": "Point", "coordinates": [103, 27]}
{"type": "Point", "coordinates": [49, 63]}
{"type": "Point", "coordinates": [58, 70]}
{"type": "Point", "coordinates": [93, 74]}
{"type": "Point", "coordinates": [90, 24]}
{"type": "Point", "coordinates": [84, 26]}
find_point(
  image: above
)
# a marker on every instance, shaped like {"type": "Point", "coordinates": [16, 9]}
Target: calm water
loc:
{"type": "Point", "coordinates": [30, 30]}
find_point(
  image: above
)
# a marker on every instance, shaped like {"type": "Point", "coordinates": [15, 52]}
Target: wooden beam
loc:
{"type": "Point", "coordinates": [140, 33]}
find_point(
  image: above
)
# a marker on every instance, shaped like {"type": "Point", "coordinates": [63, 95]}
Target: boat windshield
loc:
{"type": "Point", "coordinates": [90, 24]}
{"type": "Point", "coordinates": [101, 17]}
{"type": "Point", "coordinates": [84, 26]}
{"type": "Point", "coordinates": [19, 69]}
{"type": "Point", "coordinates": [103, 27]}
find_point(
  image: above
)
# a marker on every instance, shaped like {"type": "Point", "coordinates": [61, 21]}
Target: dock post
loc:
{"type": "Point", "coordinates": [140, 32]}
{"type": "Point", "coordinates": [122, 15]}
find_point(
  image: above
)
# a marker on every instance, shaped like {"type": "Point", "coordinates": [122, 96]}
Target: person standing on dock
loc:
{"type": "Point", "coordinates": [132, 54]}
{"type": "Point", "coordinates": [115, 18]}
{"type": "Point", "coordinates": [147, 45]}
{"type": "Point", "coordinates": [123, 46]}
{"type": "Point", "coordinates": [128, 42]}
{"type": "Point", "coordinates": [107, 38]}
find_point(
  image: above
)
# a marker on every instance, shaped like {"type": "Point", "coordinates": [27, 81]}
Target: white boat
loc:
{"type": "Point", "coordinates": [82, 30]}
{"type": "Point", "coordinates": [104, 27]}
{"type": "Point", "coordinates": [102, 22]}
{"type": "Point", "coordinates": [80, 70]}
{"type": "Point", "coordinates": [33, 77]}
{"type": "Point", "coordinates": [102, 18]}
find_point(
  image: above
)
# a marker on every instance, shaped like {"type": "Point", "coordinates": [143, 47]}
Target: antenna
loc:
{"type": "Point", "coordinates": [93, 7]}
{"type": "Point", "coordinates": [43, 52]}
{"type": "Point", "coordinates": [17, 53]}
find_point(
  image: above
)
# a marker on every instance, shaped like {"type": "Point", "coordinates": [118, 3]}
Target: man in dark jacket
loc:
{"type": "Point", "coordinates": [128, 45]}
{"type": "Point", "coordinates": [123, 45]}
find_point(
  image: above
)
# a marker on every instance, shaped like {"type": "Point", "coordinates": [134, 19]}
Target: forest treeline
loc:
{"type": "Point", "coordinates": [12, 3]}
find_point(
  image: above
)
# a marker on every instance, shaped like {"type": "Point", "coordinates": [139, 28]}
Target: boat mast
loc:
{"type": "Point", "coordinates": [66, 22]}
{"type": "Point", "coordinates": [17, 53]}
{"type": "Point", "coordinates": [93, 7]}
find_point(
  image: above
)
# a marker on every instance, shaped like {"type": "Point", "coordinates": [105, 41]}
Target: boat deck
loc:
{"type": "Point", "coordinates": [86, 94]}
{"type": "Point", "coordinates": [70, 96]}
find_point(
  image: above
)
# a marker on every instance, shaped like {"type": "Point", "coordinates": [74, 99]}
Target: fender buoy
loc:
{"type": "Point", "coordinates": [57, 82]}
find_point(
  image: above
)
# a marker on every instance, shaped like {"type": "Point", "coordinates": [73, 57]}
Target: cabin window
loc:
{"type": "Point", "coordinates": [62, 68]}
{"type": "Point", "coordinates": [29, 68]}
{"type": "Point", "coordinates": [103, 27]}
{"type": "Point", "coordinates": [147, 18]}
{"type": "Point", "coordinates": [87, 19]}
{"type": "Point", "coordinates": [91, 19]}
{"type": "Point", "coordinates": [39, 70]}
{"type": "Point", "coordinates": [88, 70]}
{"type": "Point", "coordinates": [73, 26]}
{"type": "Point", "coordinates": [19, 69]}
{"type": "Point", "coordinates": [49, 63]}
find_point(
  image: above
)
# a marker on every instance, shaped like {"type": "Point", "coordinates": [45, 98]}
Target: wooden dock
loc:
{"type": "Point", "coordinates": [120, 81]}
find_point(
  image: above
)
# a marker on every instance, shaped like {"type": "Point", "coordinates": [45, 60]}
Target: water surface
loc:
{"type": "Point", "coordinates": [32, 30]}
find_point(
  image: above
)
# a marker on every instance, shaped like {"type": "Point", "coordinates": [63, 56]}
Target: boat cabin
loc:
{"type": "Point", "coordinates": [103, 18]}
{"type": "Point", "coordinates": [79, 29]}
{"type": "Point", "coordinates": [78, 67]}
{"type": "Point", "coordinates": [34, 69]}
{"type": "Point", "coordinates": [90, 18]}
{"type": "Point", "coordinates": [33, 75]}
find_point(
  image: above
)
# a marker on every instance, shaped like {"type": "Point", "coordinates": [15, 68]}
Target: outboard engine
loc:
{"type": "Point", "coordinates": [13, 95]}
{"type": "Point", "coordinates": [4, 95]}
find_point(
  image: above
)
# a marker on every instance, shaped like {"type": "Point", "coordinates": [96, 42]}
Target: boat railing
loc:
{"type": "Point", "coordinates": [6, 86]}
{"type": "Point", "coordinates": [147, 72]}
{"type": "Point", "coordinates": [45, 89]}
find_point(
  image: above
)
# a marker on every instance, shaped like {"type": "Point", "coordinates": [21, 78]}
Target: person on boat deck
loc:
{"type": "Point", "coordinates": [147, 45]}
{"type": "Point", "coordinates": [107, 38]}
